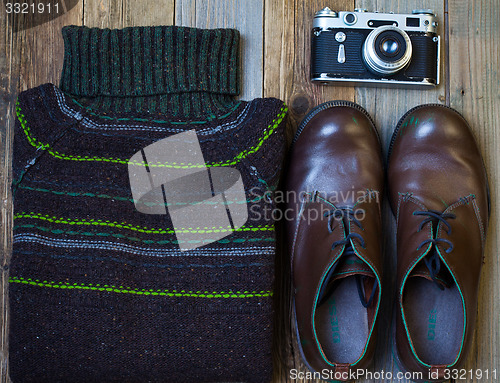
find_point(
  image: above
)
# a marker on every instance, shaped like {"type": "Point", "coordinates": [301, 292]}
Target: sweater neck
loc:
{"type": "Point", "coordinates": [168, 70]}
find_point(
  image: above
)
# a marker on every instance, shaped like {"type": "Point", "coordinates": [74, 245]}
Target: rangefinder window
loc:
{"type": "Point", "coordinates": [412, 22]}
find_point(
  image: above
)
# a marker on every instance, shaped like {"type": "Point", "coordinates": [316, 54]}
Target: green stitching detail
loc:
{"type": "Point", "coordinates": [88, 194]}
{"type": "Point", "coordinates": [124, 225]}
{"type": "Point", "coordinates": [45, 146]}
{"type": "Point", "coordinates": [135, 239]}
{"type": "Point", "coordinates": [129, 290]}
{"type": "Point", "coordinates": [463, 306]}
{"type": "Point", "coordinates": [408, 272]}
{"type": "Point", "coordinates": [209, 118]}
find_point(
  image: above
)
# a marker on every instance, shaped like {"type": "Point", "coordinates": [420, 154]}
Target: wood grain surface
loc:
{"type": "Point", "coordinates": [121, 14]}
{"type": "Point", "coordinates": [287, 52]}
{"type": "Point", "coordinates": [275, 57]}
{"type": "Point", "coordinates": [474, 70]}
{"type": "Point", "coordinates": [244, 15]}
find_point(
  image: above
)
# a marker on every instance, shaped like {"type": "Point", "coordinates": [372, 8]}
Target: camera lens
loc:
{"type": "Point", "coordinates": [389, 47]}
{"type": "Point", "coordinates": [387, 50]}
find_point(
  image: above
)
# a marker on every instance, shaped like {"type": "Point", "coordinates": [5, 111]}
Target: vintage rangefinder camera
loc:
{"type": "Point", "coordinates": [366, 48]}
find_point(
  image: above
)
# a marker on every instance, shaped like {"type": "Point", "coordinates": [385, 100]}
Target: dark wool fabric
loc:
{"type": "Point", "coordinates": [100, 292]}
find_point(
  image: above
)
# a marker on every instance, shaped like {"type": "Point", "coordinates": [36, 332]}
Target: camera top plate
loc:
{"type": "Point", "coordinates": [419, 21]}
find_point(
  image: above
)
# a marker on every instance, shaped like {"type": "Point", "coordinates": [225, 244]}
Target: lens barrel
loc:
{"type": "Point", "coordinates": [387, 50]}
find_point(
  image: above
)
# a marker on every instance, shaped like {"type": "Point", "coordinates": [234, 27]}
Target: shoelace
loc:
{"type": "Point", "coordinates": [432, 261]}
{"type": "Point", "coordinates": [339, 213]}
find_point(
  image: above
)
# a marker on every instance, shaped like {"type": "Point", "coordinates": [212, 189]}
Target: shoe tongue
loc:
{"type": "Point", "coordinates": [349, 265]}
{"type": "Point", "coordinates": [443, 278]}
{"type": "Point", "coordinates": [346, 266]}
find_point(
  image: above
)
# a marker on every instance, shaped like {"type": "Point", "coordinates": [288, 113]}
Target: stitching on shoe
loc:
{"type": "Point", "coordinates": [334, 259]}
{"type": "Point", "coordinates": [479, 220]}
{"type": "Point", "coordinates": [417, 259]}
{"type": "Point", "coordinates": [302, 208]}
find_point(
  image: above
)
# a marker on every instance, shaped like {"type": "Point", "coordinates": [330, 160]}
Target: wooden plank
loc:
{"type": "Point", "coordinates": [120, 14]}
{"type": "Point", "coordinates": [10, 57]}
{"type": "Point", "coordinates": [279, 49]}
{"type": "Point", "coordinates": [244, 15]}
{"type": "Point", "coordinates": [43, 50]}
{"type": "Point", "coordinates": [103, 13]}
{"type": "Point", "coordinates": [474, 43]}
{"type": "Point", "coordinates": [287, 36]}
{"type": "Point", "coordinates": [287, 51]}
{"type": "Point", "coordinates": [138, 13]}
{"type": "Point", "coordinates": [28, 58]}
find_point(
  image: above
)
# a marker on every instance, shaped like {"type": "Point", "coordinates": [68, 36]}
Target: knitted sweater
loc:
{"type": "Point", "coordinates": [100, 292]}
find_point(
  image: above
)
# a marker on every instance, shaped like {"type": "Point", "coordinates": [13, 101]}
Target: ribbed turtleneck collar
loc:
{"type": "Point", "coordinates": [165, 69]}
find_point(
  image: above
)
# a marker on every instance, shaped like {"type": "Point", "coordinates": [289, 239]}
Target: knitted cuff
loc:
{"type": "Point", "coordinates": [148, 61]}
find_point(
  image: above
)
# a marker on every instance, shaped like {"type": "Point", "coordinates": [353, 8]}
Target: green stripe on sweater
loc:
{"type": "Point", "coordinates": [135, 291]}
{"type": "Point", "coordinates": [177, 165]}
{"type": "Point", "coordinates": [136, 239]}
{"type": "Point", "coordinates": [125, 225]}
{"type": "Point", "coordinates": [118, 198]}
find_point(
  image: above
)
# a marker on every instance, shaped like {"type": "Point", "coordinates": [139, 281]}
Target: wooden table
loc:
{"type": "Point", "coordinates": [275, 61]}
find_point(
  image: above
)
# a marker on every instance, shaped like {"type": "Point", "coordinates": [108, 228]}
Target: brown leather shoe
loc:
{"type": "Point", "coordinates": [336, 176]}
{"type": "Point", "coordinates": [439, 195]}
